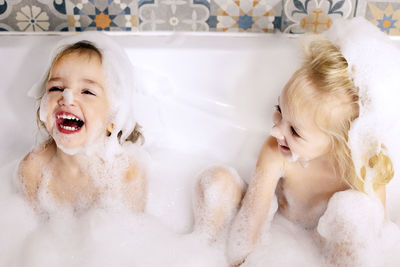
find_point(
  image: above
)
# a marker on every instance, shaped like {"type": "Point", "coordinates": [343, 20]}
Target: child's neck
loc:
{"type": "Point", "coordinates": [67, 160]}
{"type": "Point", "coordinates": [325, 159]}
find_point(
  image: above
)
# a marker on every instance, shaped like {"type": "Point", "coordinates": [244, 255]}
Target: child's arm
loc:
{"type": "Point", "coordinates": [136, 187]}
{"type": "Point", "coordinates": [256, 203]}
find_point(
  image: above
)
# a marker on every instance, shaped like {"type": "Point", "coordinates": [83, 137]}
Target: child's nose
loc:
{"type": "Point", "coordinates": [277, 132]}
{"type": "Point", "coordinates": [67, 97]}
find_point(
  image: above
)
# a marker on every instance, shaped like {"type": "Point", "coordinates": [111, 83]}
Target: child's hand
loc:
{"type": "Point", "coordinates": [238, 264]}
{"type": "Point", "coordinates": [238, 250]}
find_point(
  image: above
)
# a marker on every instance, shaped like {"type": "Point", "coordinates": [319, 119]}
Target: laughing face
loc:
{"type": "Point", "coordinates": [75, 104]}
{"type": "Point", "coordinates": [298, 137]}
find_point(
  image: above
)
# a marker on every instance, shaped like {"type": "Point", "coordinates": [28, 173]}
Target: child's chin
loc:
{"type": "Point", "coordinates": [290, 156]}
{"type": "Point", "coordinates": [69, 144]}
{"type": "Point", "coordinates": [285, 151]}
{"type": "Point", "coordinates": [69, 149]}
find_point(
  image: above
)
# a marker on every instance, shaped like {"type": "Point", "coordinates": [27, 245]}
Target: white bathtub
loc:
{"type": "Point", "coordinates": [210, 100]}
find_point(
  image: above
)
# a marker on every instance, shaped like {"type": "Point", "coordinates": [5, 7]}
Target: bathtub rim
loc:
{"type": "Point", "coordinates": [166, 34]}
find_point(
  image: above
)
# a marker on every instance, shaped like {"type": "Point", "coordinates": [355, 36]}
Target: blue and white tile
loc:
{"type": "Point", "coordinates": [118, 15]}
{"type": "Point", "coordinates": [32, 16]}
{"type": "Point", "coordinates": [174, 15]}
{"type": "Point", "coordinates": [384, 15]}
{"type": "Point", "coordinates": [246, 15]}
{"type": "Point", "coordinates": [316, 16]}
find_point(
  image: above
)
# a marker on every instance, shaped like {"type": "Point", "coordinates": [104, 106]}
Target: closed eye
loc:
{"type": "Point", "coordinates": [294, 132]}
{"type": "Point", "coordinates": [56, 89]}
{"type": "Point", "coordinates": [278, 108]}
{"type": "Point", "coordinates": [88, 92]}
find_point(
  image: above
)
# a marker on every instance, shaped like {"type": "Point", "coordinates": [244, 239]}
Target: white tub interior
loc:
{"type": "Point", "coordinates": [208, 100]}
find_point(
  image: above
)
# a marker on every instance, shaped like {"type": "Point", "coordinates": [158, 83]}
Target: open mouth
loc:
{"type": "Point", "coordinates": [284, 148]}
{"type": "Point", "coordinates": [68, 123]}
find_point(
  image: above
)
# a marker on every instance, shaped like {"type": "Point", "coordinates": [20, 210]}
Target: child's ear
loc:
{"type": "Point", "coordinates": [110, 129]}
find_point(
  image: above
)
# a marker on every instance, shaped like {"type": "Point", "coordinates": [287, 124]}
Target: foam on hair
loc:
{"type": "Point", "coordinates": [323, 87]}
{"type": "Point", "coordinates": [119, 86]}
{"type": "Point", "coordinates": [373, 65]}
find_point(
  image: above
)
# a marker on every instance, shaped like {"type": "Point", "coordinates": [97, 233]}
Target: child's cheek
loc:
{"type": "Point", "coordinates": [44, 108]}
{"type": "Point", "coordinates": [276, 117]}
{"type": "Point", "coordinates": [45, 115]}
{"type": "Point", "coordinates": [294, 147]}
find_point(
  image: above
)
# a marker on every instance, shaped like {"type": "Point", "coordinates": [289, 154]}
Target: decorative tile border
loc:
{"type": "Point", "coordinates": [386, 16]}
{"type": "Point", "coordinates": [118, 15]}
{"type": "Point", "coordinates": [316, 16]}
{"type": "Point", "coordinates": [41, 15]}
{"type": "Point", "coordinates": [244, 16]}
{"type": "Point", "coordinates": [265, 16]}
{"type": "Point", "coordinates": [174, 15]}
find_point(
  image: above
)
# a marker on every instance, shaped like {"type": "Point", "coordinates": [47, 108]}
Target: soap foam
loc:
{"type": "Point", "coordinates": [68, 96]}
{"type": "Point", "coordinates": [105, 236]}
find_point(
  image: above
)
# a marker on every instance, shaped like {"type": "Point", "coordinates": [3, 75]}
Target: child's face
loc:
{"type": "Point", "coordinates": [297, 135]}
{"type": "Point", "coordinates": [77, 115]}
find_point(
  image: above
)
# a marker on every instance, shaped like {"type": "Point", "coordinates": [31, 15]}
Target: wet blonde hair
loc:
{"type": "Point", "coordinates": [323, 85]}
{"type": "Point", "coordinates": [86, 48]}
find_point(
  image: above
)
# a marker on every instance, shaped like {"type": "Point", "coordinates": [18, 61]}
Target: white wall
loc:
{"type": "Point", "coordinates": [220, 87]}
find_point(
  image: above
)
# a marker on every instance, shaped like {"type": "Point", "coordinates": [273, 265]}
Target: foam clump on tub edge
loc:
{"type": "Point", "coordinates": [355, 232]}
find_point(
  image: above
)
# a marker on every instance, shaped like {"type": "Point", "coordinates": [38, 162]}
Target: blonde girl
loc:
{"type": "Point", "coordinates": [83, 106]}
{"type": "Point", "coordinates": [306, 160]}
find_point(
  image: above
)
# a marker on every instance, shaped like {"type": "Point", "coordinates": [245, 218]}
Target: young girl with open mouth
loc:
{"type": "Point", "coordinates": [85, 107]}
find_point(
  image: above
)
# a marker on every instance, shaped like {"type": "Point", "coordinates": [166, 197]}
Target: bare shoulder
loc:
{"type": "Point", "coordinates": [30, 169]}
{"type": "Point", "coordinates": [134, 172]}
{"type": "Point", "coordinates": [135, 188]}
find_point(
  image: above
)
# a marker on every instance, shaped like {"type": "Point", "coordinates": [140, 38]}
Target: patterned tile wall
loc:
{"type": "Point", "coordinates": [267, 16]}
